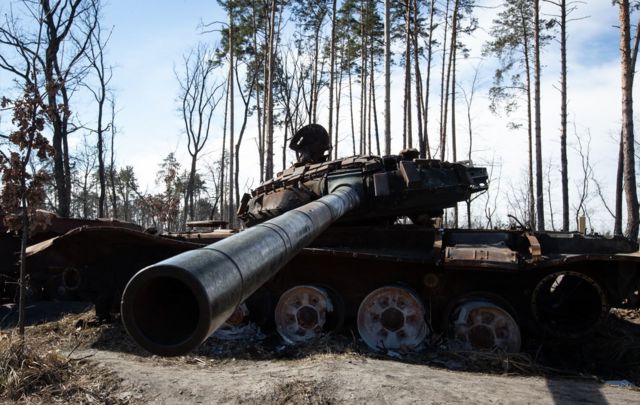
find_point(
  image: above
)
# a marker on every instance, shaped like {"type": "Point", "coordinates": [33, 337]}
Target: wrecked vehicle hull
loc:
{"type": "Point", "coordinates": [482, 289]}
{"type": "Point", "coordinates": [94, 263]}
{"type": "Point", "coordinates": [44, 226]}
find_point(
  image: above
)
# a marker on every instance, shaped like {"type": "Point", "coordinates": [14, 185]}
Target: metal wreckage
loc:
{"type": "Point", "coordinates": [324, 250]}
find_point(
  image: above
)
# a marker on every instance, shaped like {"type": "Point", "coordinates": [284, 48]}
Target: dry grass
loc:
{"type": "Point", "coordinates": [43, 367]}
{"type": "Point", "coordinates": [33, 373]}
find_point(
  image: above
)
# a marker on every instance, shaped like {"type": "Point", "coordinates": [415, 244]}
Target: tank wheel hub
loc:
{"type": "Point", "coordinates": [301, 313]}
{"type": "Point", "coordinates": [307, 317]}
{"type": "Point", "coordinates": [392, 318]}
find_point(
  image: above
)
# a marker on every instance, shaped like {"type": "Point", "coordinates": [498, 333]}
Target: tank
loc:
{"type": "Point", "coordinates": [171, 307]}
{"type": "Point", "coordinates": [356, 244]}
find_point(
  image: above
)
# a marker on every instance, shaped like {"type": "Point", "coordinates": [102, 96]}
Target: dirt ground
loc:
{"type": "Point", "coordinates": [342, 378]}
{"type": "Point", "coordinates": [104, 366]}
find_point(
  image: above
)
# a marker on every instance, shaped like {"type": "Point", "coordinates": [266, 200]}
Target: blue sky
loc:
{"type": "Point", "coordinates": [150, 37]}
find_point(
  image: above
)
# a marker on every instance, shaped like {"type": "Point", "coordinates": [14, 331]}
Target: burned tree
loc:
{"type": "Point", "coordinates": [56, 42]}
{"type": "Point", "coordinates": [199, 96]}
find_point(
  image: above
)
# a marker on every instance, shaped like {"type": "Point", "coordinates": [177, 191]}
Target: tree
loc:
{"type": "Point", "coordinates": [511, 32]}
{"type": "Point", "coordinates": [564, 169]}
{"type": "Point", "coordinates": [425, 150]}
{"type": "Point", "coordinates": [310, 16]}
{"type": "Point", "coordinates": [629, 175]}
{"type": "Point", "coordinates": [56, 44]}
{"type": "Point", "coordinates": [98, 40]}
{"type": "Point", "coordinates": [126, 185]}
{"type": "Point", "coordinates": [538, 120]}
{"type": "Point", "coordinates": [23, 188]}
{"type": "Point", "coordinates": [198, 100]}
{"type": "Point", "coordinates": [332, 68]}
{"type": "Point", "coordinates": [617, 228]}
{"type": "Point", "coordinates": [84, 164]}
{"type": "Point", "coordinates": [387, 77]}
{"type": "Point", "coordinates": [268, 105]}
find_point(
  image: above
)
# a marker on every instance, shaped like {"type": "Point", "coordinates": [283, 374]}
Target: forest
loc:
{"type": "Point", "coordinates": [272, 66]}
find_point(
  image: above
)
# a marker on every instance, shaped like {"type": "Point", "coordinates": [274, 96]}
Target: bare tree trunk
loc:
{"type": "Point", "coordinates": [353, 130]}
{"type": "Point", "coordinates": [369, 102]}
{"type": "Point", "coordinates": [617, 225]}
{"type": "Point", "coordinates": [532, 209]}
{"type": "Point", "coordinates": [363, 79]}
{"type": "Point", "coordinates": [448, 86]}
{"type": "Point", "coordinates": [617, 228]}
{"type": "Point", "coordinates": [223, 211]}
{"type": "Point", "coordinates": [100, 146]}
{"type": "Point", "coordinates": [408, 139]}
{"type": "Point", "coordinates": [232, 180]}
{"type": "Point", "coordinates": [548, 175]}
{"type": "Point", "coordinates": [95, 54]}
{"type": "Point", "coordinates": [246, 100]}
{"type": "Point", "coordinates": [416, 62]}
{"type": "Point", "coordinates": [269, 91]}
{"type": "Point", "coordinates": [23, 258]}
{"type": "Point", "coordinates": [425, 149]}
{"type": "Point", "coordinates": [114, 201]}
{"type": "Point", "coordinates": [387, 77]}
{"type": "Point", "coordinates": [259, 110]}
{"type": "Point", "coordinates": [315, 86]}
{"type": "Point", "coordinates": [453, 55]}
{"type": "Point", "coordinates": [564, 169]}
{"type": "Point", "coordinates": [373, 102]}
{"type": "Point", "coordinates": [332, 68]}
{"type": "Point", "coordinates": [443, 91]}
{"type": "Point", "coordinates": [338, 103]}
{"type": "Point", "coordinates": [538, 119]}
{"type": "Point", "coordinates": [630, 190]}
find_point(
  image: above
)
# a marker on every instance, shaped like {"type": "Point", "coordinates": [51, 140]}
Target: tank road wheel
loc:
{"type": "Point", "coordinates": [478, 324]}
{"type": "Point", "coordinates": [238, 316]}
{"type": "Point", "coordinates": [301, 313]}
{"type": "Point", "coordinates": [568, 304]}
{"type": "Point", "coordinates": [392, 317]}
{"type": "Point", "coordinates": [235, 326]}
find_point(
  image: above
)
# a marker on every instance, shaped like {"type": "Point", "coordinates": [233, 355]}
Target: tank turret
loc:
{"type": "Point", "coordinates": [392, 186]}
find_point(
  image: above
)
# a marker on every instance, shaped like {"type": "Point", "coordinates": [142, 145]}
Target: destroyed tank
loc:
{"type": "Point", "coordinates": [352, 244]}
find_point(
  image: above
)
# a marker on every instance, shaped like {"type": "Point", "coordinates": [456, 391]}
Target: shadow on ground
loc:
{"type": "Point", "coordinates": [40, 312]}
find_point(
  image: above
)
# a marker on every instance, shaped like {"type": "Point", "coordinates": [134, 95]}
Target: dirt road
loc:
{"type": "Point", "coordinates": [332, 378]}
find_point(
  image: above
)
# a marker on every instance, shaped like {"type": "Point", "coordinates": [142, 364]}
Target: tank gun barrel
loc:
{"type": "Point", "coordinates": [171, 307]}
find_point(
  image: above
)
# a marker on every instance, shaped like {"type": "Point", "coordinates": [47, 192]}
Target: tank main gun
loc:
{"type": "Point", "coordinates": [171, 307]}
